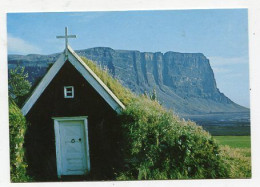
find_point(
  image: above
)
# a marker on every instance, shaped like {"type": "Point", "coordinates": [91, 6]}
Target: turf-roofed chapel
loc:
{"type": "Point", "coordinates": [72, 117]}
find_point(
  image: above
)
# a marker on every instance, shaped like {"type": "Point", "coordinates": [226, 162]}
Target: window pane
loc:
{"type": "Point", "coordinates": [68, 92]}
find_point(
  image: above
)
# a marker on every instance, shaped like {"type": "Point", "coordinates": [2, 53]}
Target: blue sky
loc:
{"type": "Point", "coordinates": [221, 35]}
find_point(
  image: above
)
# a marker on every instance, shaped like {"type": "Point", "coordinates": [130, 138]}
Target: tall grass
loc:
{"type": "Point", "coordinates": [238, 160]}
{"type": "Point", "coordinates": [123, 94]}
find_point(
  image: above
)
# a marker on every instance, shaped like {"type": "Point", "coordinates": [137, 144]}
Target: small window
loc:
{"type": "Point", "coordinates": [68, 92]}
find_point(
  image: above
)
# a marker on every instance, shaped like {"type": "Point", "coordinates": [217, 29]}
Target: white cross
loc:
{"type": "Point", "coordinates": [66, 39]}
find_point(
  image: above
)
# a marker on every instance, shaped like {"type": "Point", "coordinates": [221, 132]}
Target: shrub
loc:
{"type": "Point", "coordinates": [158, 145]}
{"type": "Point", "coordinates": [17, 129]}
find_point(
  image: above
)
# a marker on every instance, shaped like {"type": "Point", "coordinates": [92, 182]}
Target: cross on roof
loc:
{"type": "Point", "coordinates": [66, 39]}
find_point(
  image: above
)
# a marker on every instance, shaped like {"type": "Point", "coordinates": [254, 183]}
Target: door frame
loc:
{"type": "Point", "coordinates": [57, 121]}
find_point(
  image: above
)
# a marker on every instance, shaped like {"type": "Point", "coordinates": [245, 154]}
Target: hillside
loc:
{"type": "Point", "coordinates": [184, 82]}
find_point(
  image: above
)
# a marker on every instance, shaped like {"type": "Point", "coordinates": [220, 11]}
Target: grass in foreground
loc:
{"type": "Point", "coordinates": [237, 153]}
{"type": "Point", "coordinates": [238, 161]}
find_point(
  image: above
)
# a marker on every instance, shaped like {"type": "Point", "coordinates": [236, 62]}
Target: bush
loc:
{"type": "Point", "coordinates": [17, 129]}
{"type": "Point", "coordinates": [158, 145]}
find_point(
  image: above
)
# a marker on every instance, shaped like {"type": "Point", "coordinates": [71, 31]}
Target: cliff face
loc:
{"type": "Point", "coordinates": [184, 81]}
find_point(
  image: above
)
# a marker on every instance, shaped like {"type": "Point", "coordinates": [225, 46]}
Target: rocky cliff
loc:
{"type": "Point", "coordinates": [184, 82]}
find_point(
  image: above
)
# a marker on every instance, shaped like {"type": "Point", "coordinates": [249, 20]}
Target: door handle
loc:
{"type": "Point", "coordinates": [79, 139]}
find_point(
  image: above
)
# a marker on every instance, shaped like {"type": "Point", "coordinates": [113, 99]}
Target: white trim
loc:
{"type": "Point", "coordinates": [70, 118]}
{"type": "Point", "coordinates": [58, 143]}
{"type": "Point", "coordinates": [66, 92]}
{"type": "Point", "coordinates": [95, 81]}
{"type": "Point", "coordinates": [87, 144]}
{"type": "Point", "coordinates": [43, 84]}
{"type": "Point", "coordinates": [85, 71]}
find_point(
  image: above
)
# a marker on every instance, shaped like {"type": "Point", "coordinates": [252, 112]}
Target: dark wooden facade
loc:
{"type": "Point", "coordinates": [103, 128]}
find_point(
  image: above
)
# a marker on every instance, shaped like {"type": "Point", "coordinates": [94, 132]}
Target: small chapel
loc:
{"type": "Point", "coordinates": [72, 118]}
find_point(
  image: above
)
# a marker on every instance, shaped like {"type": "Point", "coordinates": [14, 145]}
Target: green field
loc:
{"type": "Point", "coordinates": [234, 141]}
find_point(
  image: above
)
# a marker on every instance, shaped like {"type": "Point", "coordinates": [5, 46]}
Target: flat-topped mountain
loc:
{"type": "Point", "coordinates": [183, 82]}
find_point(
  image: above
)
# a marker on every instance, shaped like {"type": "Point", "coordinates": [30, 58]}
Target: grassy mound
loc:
{"type": "Point", "coordinates": [156, 144]}
{"type": "Point", "coordinates": [17, 129]}
{"type": "Point", "coordinates": [159, 145]}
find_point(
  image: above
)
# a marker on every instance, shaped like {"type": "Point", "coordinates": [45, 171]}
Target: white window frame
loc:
{"type": "Point", "coordinates": [66, 92]}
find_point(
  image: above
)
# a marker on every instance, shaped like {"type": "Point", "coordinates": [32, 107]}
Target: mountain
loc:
{"type": "Point", "coordinates": [183, 82]}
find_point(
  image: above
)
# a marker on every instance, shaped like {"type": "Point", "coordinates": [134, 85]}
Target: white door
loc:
{"type": "Point", "coordinates": [72, 146]}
